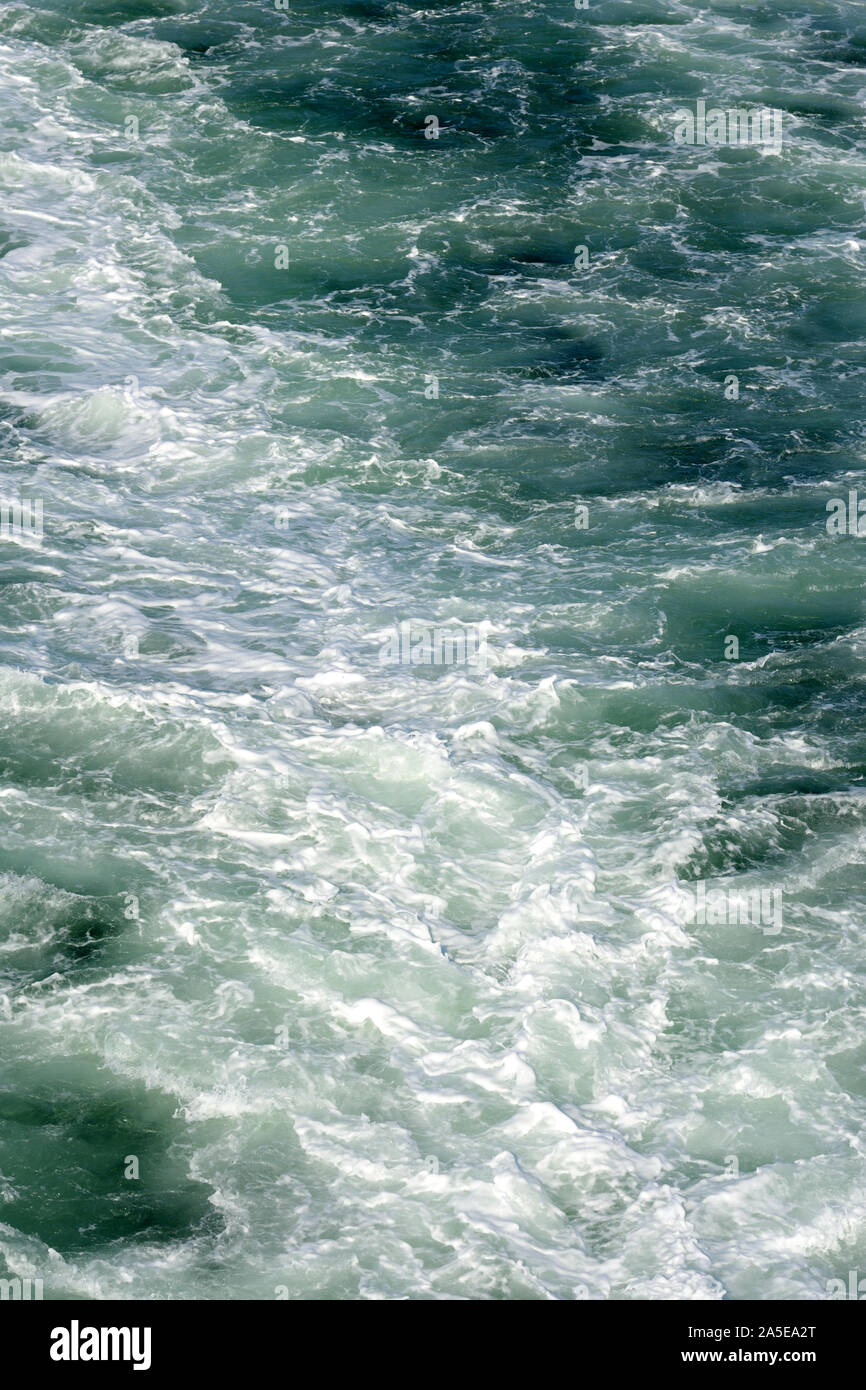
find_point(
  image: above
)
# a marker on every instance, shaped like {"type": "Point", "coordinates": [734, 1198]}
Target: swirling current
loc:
{"type": "Point", "coordinates": [432, 649]}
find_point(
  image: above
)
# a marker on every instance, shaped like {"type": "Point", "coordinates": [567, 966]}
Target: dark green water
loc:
{"type": "Point", "coordinates": [384, 973]}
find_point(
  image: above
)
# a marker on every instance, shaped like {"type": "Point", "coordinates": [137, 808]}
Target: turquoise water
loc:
{"type": "Point", "coordinates": [384, 974]}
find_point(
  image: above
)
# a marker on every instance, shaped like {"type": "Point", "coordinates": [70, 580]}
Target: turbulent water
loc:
{"type": "Point", "coordinates": [330, 976]}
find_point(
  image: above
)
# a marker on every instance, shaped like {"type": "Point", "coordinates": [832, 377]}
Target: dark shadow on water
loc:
{"type": "Point", "coordinates": [67, 1137]}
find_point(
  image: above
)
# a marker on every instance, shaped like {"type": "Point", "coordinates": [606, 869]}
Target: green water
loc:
{"type": "Point", "coordinates": [384, 973]}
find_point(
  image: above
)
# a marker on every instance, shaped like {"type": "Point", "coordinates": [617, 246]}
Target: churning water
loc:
{"type": "Point", "coordinates": [433, 762]}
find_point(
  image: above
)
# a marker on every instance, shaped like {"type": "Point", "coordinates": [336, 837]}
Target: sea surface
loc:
{"type": "Point", "coordinates": [331, 976]}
